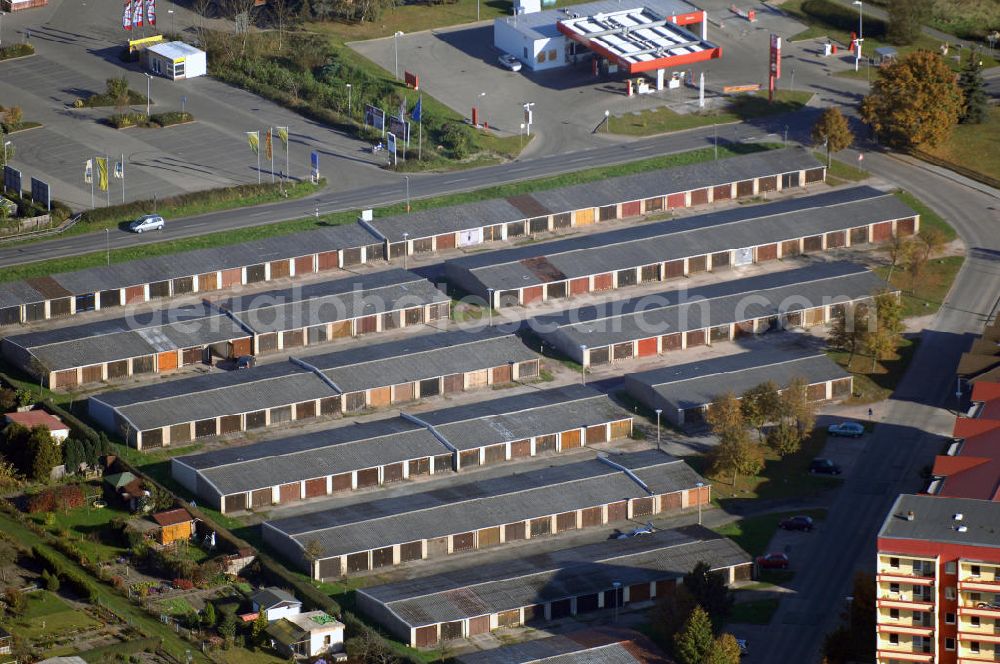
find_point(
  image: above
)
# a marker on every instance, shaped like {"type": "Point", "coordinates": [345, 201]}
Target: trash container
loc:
{"type": "Point", "coordinates": [827, 49]}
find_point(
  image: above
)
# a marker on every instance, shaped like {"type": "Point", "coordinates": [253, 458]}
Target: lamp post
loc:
{"type": "Point", "coordinates": [5, 144]}
{"type": "Point", "coordinates": [171, 12]}
{"type": "Point", "coordinates": [617, 585]}
{"type": "Point", "coordinates": [658, 411]}
{"type": "Point", "coordinates": [489, 305]}
{"type": "Point", "coordinates": [583, 364]}
{"type": "Point", "coordinates": [348, 100]}
{"type": "Point", "coordinates": [958, 395]}
{"type": "Point", "coordinates": [607, 122]}
{"type": "Point", "coordinates": [406, 178]}
{"type": "Point", "coordinates": [699, 485]}
{"type": "Point", "coordinates": [406, 248]}
{"type": "Point", "coordinates": [861, 34]}
{"type": "Point", "coordinates": [1, 28]}
{"type": "Point", "coordinates": [149, 79]}
{"type": "Point", "coordinates": [482, 96]}
{"type": "Point", "coordinates": [107, 241]}
{"type": "Point", "coordinates": [395, 49]}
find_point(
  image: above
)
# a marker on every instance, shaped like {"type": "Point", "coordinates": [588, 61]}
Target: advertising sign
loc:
{"type": "Point", "coordinates": [412, 81]}
{"type": "Point", "coordinates": [12, 179]}
{"type": "Point", "coordinates": [401, 128]}
{"type": "Point", "coordinates": [375, 118]}
{"type": "Point", "coordinates": [390, 145]}
{"type": "Point", "coordinates": [775, 56]}
{"type": "Point", "coordinates": [40, 193]}
{"type": "Point", "coordinates": [314, 165]}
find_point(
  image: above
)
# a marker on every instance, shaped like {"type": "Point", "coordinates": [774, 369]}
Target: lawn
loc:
{"type": "Point", "coordinates": [176, 606]}
{"type": "Point", "coordinates": [787, 477]}
{"type": "Point", "coordinates": [875, 385]}
{"type": "Point", "coordinates": [827, 18]}
{"type": "Point", "coordinates": [972, 149]}
{"type": "Point", "coordinates": [88, 528]}
{"type": "Point", "coordinates": [48, 615]}
{"type": "Point", "coordinates": [754, 533]}
{"type": "Point", "coordinates": [250, 233]}
{"type": "Point", "coordinates": [969, 19]}
{"type": "Point", "coordinates": [754, 612]}
{"type": "Point", "coordinates": [740, 107]}
{"type": "Point", "coordinates": [923, 296]}
{"type": "Point", "coordinates": [841, 172]}
{"type": "Point", "coordinates": [245, 656]}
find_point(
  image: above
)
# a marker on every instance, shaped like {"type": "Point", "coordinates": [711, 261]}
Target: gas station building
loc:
{"type": "Point", "coordinates": [632, 38]}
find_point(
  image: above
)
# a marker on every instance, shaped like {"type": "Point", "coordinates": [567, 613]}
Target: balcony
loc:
{"type": "Point", "coordinates": [917, 604]}
{"type": "Point", "coordinates": [885, 654]}
{"type": "Point", "coordinates": [969, 634]}
{"type": "Point", "coordinates": [966, 657]}
{"type": "Point", "coordinates": [895, 577]}
{"type": "Point", "coordinates": [975, 584]}
{"type": "Point", "coordinates": [969, 608]}
{"type": "Point", "coordinates": [902, 628]}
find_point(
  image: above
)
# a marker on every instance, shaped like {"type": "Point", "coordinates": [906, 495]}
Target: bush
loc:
{"type": "Point", "coordinates": [183, 584]}
{"type": "Point", "coordinates": [58, 498]}
{"type": "Point", "coordinates": [171, 118]}
{"type": "Point", "coordinates": [16, 51]}
{"type": "Point", "coordinates": [123, 120]}
{"type": "Point", "coordinates": [457, 139]}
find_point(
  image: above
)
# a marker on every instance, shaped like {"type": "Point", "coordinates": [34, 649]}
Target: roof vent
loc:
{"type": "Point", "coordinates": [961, 529]}
{"type": "Point", "coordinates": [910, 516]}
{"type": "Point", "coordinates": [957, 516]}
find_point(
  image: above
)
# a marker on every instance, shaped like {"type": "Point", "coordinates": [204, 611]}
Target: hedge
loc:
{"type": "Point", "coordinates": [73, 578]}
{"type": "Point", "coordinates": [106, 653]}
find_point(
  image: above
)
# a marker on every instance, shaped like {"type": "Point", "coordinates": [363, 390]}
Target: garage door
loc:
{"type": "Point", "coordinates": [767, 252]}
{"type": "Point", "coordinates": [235, 503]}
{"type": "Point", "coordinates": [836, 239]}
{"type": "Point", "coordinates": [402, 393]}
{"type": "Point", "coordinates": [260, 498]}
{"type": "Point", "coordinates": [445, 241]}
{"type": "Point", "coordinates": [135, 294]}
{"type": "Point", "coordinates": [382, 557]}
{"type": "Point", "coordinates": [698, 263]}
{"type": "Point", "coordinates": [579, 286]}
{"type": "Point", "coordinates": [480, 378]}
{"type": "Point", "coordinates": [743, 256]}
{"type": "Point", "coordinates": [671, 341]}
{"type": "Point", "coordinates": [744, 188]}
{"type": "Point", "coordinates": [638, 592]}
{"type": "Point", "coordinates": [316, 487]}
{"type": "Point", "coordinates": [592, 516]}
{"type": "Point", "coordinates": [520, 449]}
{"type": "Point", "coordinates": [812, 243]}
{"type": "Point", "coordinates": [699, 197]}
{"type": "Point", "coordinates": [454, 383]}
{"type": "Point", "coordinates": [814, 316]}
{"type": "Point", "coordinates": [303, 265]}
{"type": "Point", "coordinates": [618, 511]}
{"type": "Point", "coordinates": [791, 248]}
{"type": "Point", "coordinates": [677, 200]}
{"type": "Point", "coordinates": [242, 347]}
{"type": "Point", "coordinates": [426, 636]}
{"type": "Point", "coordinates": [206, 282]}
{"type": "Point", "coordinates": [463, 542]}
{"type": "Point", "coordinates": [769, 183]}
{"type": "Point", "coordinates": [290, 492]}
{"type": "Point", "coordinates": [489, 537]}
{"type": "Point", "coordinates": [479, 625]}
{"type": "Point", "coordinates": [328, 260]}
{"type": "Point", "coordinates": [633, 209]}
{"type": "Point", "coordinates": [621, 429]}
{"type": "Point", "coordinates": [603, 282]}
{"type": "Point", "coordinates": [565, 521]}
{"type": "Point", "coordinates": [342, 482]}
{"type": "Point", "coordinates": [470, 237]}
{"type": "Point", "coordinates": [906, 226]}
{"type": "Point", "coordinates": [642, 507]}
{"type": "Point", "coordinates": [232, 277]}
{"type": "Point", "coordinates": [695, 338]}
{"type": "Point", "coordinates": [515, 531]}
{"type": "Point", "coordinates": [510, 618]}
{"type": "Point", "coordinates": [532, 294]}
{"type": "Point", "coordinates": [279, 269]}
{"type": "Point", "coordinates": [647, 347]}
{"type": "Point", "coordinates": [583, 217]}
{"type": "Point", "coordinates": [597, 434]}
{"type": "Point", "coordinates": [882, 231]}
{"type": "Point", "coordinates": [816, 392]}
{"type": "Point", "coordinates": [670, 502]}
{"type": "Point", "coordinates": [722, 192]}
{"type": "Point", "coordinates": [673, 269]}
{"type": "Point", "coordinates": [379, 397]}
{"type": "Point", "coordinates": [570, 439]}
{"type": "Point", "coordinates": [357, 562]}
{"type": "Point", "coordinates": [66, 378]}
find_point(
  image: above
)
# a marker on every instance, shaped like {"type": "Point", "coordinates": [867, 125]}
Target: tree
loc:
{"type": "Point", "coordinates": [796, 406]}
{"type": "Point", "coordinates": [8, 556]}
{"type": "Point", "coordinates": [312, 550]}
{"type": "Point", "coordinates": [933, 239]}
{"type": "Point", "coordinates": [862, 615]}
{"type": "Point", "coordinates": [693, 643]}
{"type": "Point", "coordinates": [725, 650]}
{"type": "Point", "coordinates": [975, 102]}
{"type": "Point", "coordinates": [738, 457]}
{"type": "Point", "coordinates": [906, 18]}
{"type": "Point", "coordinates": [784, 439]}
{"type": "Point", "coordinates": [227, 628]}
{"type": "Point", "coordinates": [832, 131]}
{"type": "Point", "coordinates": [670, 613]}
{"type": "Point", "coordinates": [725, 416]}
{"type": "Point", "coordinates": [284, 14]}
{"type": "Point", "coordinates": [44, 453]}
{"type": "Point", "coordinates": [848, 329]}
{"type": "Point", "coordinates": [915, 100]}
{"type": "Point", "coordinates": [8, 475]}
{"type": "Point", "coordinates": [15, 600]}
{"type": "Point", "coordinates": [13, 118]}
{"type": "Point", "coordinates": [879, 344]}
{"type": "Point", "coordinates": [370, 648]}
{"type": "Point", "coordinates": [258, 627]}
{"type": "Point", "coordinates": [208, 616]}
{"type": "Point", "coordinates": [760, 405]}
{"type": "Point", "coordinates": [51, 581]}
{"type": "Point", "coordinates": [709, 591]}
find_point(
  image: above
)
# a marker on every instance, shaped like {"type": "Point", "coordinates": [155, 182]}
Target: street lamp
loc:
{"type": "Point", "coordinates": [1, 27]}
{"type": "Point", "coordinates": [348, 100]}
{"type": "Point", "coordinates": [861, 34]}
{"type": "Point", "coordinates": [6, 143]}
{"type": "Point", "coordinates": [617, 585]}
{"type": "Point", "coordinates": [395, 48]}
{"type": "Point", "coordinates": [406, 178]}
{"type": "Point", "coordinates": [583, 364]}
{"type": "Point", "coordinates": [107, 237]}
{"type": "Point", "coordinates": [406, 248]}
{"type": "Point", "coordinates": [171, 12]}
{"type": "Point", "coordinates": [489, 293]}
{"type": "Point", "coordinates": [958, 395]}
{"type": "Point", "coordinates": [149, 78]}
{"type": "Point", "coordinates": [482, 95]}
{"type": "Point", "coordinates": [658, 411]}
{"type": "Point", "coordinates": [607, 121]}
{"type": "Point", "coordinates": [699, 485]}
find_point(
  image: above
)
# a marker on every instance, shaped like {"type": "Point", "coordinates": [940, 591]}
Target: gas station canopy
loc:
{"type": "Point", "coordinates": [640, 40]}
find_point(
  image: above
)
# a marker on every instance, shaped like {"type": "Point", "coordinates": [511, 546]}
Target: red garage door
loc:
{"type": "Point", "coordinates": [676, 201]}
{"type": "Point", "coordinates": [767, 252]}
{"type": "Point", "coordinates": [233, 277]}
{"type": "Point", "coordinates": [579, 286]}
{"type": "Point", "coordinates": [290, 492]}
{"type": "Point", "coordinates": [722, 192]}
{"type": "Point", "coordinates": [906, 226]}
{"type": "Point", "coordinates": [647, 347]}
{"type": "Point", "coordinates": [135, 294]}
{"type": "Point", "coordinates": [532, 294]}
{"type": "Point", "coordinates": [699, 197]}
{"type": "Point", "coordinates": [603, 282]}
{"type": "Point", "coordinates": [633, 209]}
{"type": "Point", "coordinates": [882, 232]}
{"type": "Point", "coordinates": [316, 487]}
{"type": "Point", "coordinates": [303, 265]}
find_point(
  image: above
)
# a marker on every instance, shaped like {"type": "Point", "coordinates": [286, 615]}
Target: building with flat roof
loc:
{"type": "Point", "coordinates": [684, 392]}
{"type": "Point", "coordinates": [593, 645]}
{"type": "Point", "coordinates": [382, 452]}
{"type": "Point", "coordinates": [938, 581]}
{"type": "Point", "coordinates": [328, 385]}
{"type": "Point", "coordinates": [164, 340]}
{"type": "Point", "coordinates": [427, 610]}
{"type": "Point", "coordinates": [30, 419]}
{"type": "Point", "coordinates": [175, 60]}
{"type": "Point", "coordinates": [673, 320]}
{"type": "Point", "coordinates": [675, 248]}
{"type": "Point", "coordinates": [485, 513]}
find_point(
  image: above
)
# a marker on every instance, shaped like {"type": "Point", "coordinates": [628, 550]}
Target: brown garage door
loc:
{"type": "Point", "coordinates": [135, 294]}
{"type": "Point", "coordinates": [638, 593]}
{"type": "Point", "coordinates": [695, 338]}
{"type": "Point", "coordinates": [382, 557]}
{"type": "Point", "coordinates": [242, 347]}
{"type": "Point", "coordinates": [621, 429]}
{"type": "Point", "coordinates": [744, 188]}
{"type": "Point", "coordinates": [882, 232]}
{"type": "Point", "coordinates": [342, 482]}
{"type": "Point", "coordinates": [290, 492]}
{"type": "Point", "coordinates": [235, 502]}
{"type": "Point", "coordinates": [671, 341]}
{"type": "Point", "coordinates": [392, 472]}
{"type": "Point", "coordinates": [565, 521]}
{"type": "Point", "coordinates": [767, 252]}
{"type": "Point", "coordinates": [208, 281]}
{"type": "Point", "coordinates": [592, 516]}
{"type": "Point", "coordinates": [357, 562]}
{"type": "Point", "coordinates": [379, 397]}
{"type": "Point", "coordinates": [698, 263]}
{"type": "Point", "coordinates": [618, 511]}
{"type": "Point", "coordinates": [403, 393]}
{"type": "Point", "coordinates": [632, 209]}
{"type": "Point", "coordinates": [642, 507]}
{"type": "Point", "coordinates": [501, 375]}
{"type": "Point", "coordinates": [230, 424]}
{"type": "Point", "coordinates": [812, 243]}
{"type": "Point", "coordinates": [579, 286]}
{"type": "Point", "coordinates": [514, 531]}
{"type": "Point", "coordinates": [722, 192]}
{"type": "Point", "coordinates": [260, 498]}
{"type": "Point", "coordinates": [454, 383]}
{"type": "Point", "coordinates": [570, 439]}
{"type": "Point", "coordinates": [906, 226]}
{"type": "Point", "coordinates": [673, 269]}
{"type": "Point", "coordinates": [303, 265]}
{"type": "Point", "coordinates": [597, 434]}
{"type": "Point", "coordinates": [316, 487]}
{"type": "Point", "coordinates": [489, 537]}
{"type": "Point", "coordinates": [532, 294]}
{"type": "Point", "coordinates": [671, 501]}
{"type": "Point", "coordinates": [66, 378]}
{"type": "Point", "coordinates": [510, 618]}
{"type": "Point", "coordinates": [791, 248]}
{"type": "Point", "coordinates": [463, 542]}
{"type": "Point", "coordinates": [836, 239]}
{"type": "Point", "coordinates": [426, 637]}
{"type": "Point", "coordinates": [479, 625]}
{"type": "Point", "coordinates": [603, 282]}
{"type": "Point", "coordinates": [520, 448]}
{"type": "Point", "coordinates": [279, 269]}
{"type": "Point", "coordinates": [816, 392]}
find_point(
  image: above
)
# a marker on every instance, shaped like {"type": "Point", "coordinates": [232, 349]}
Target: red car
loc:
{"type": "Point", "coordinates": [772, 561]}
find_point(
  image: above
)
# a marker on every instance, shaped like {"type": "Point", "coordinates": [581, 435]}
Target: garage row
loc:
{"type": "Point", "coordinates": [488, 513]}
{"type": "Point", "coordinates": [382, 452]}
{"type": "Point", "coordinates": [165, 340]}
{"type": "Point", "coordinates": [330, 385]}
{"type": "Point", "coordinates": [661, 251]}
{"type": "Point", "coordinates": [533, 590]}
{"type": "Point", "coordinates": [348, 246]}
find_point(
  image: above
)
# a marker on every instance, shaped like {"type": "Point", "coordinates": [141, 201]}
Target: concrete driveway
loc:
{"type": "Point", "coordinates": [77, 47]}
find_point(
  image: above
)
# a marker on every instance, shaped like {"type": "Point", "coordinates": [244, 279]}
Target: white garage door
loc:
{"type": "Point", "coordinates": [744, 256]}
{"type": "Point", "coordinates": [469, 238]}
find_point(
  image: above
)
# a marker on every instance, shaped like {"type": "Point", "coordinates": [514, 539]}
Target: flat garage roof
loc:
{"type": "Point", "coordinates": [638, 39]}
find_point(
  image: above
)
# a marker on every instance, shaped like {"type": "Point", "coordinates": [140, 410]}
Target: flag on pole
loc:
{"type": "Point", "coordinates": [102, 173]}
{"type": "Point", "coordinates": [88, 172]}
{"type": "Point", "coordinates": [283, 135]}
{"type": "Point", "coordinates": [137, 13]}
{"type": "Point", "coordinates": [151, 11]}
{"type": "Point", "coordinates": [267, 145]}
{"type": "Point", "coordinates": [127, 15]}
{"type": "Point", "coordinates": [253, 138]}
{"type": "Point", "coordinates": [417, 110]}
{"type": "Point", "coordinates": [119, 170]}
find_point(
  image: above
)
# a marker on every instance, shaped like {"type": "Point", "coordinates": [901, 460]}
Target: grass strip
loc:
{"type": "Point", "coordinates": [234, 236]}
{"type": "Point", "coordinates": [753, 534]}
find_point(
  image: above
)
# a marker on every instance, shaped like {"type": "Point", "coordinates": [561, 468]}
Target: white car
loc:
{"type": "Point", "coordinates": [147, 222]}
{"type": "Point", "coordinates": [508, 61]}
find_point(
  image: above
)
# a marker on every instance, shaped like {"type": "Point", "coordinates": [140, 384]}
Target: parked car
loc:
{"type": "Point", "coordinates": [824, 467]}
{"type": "Point", "coordinates": [847, 429]}
{"type": "Point", "coordinates": [797, 523]}
{"type": "Point", "coordinates": [773, 561]}
{"type": "Point", "coordinates": [508, 61]}
{"type": "Point", "coordinates": [643, 530]}
{"type": "Point", "coordinates": [147, 222]}
{"type": "Point", "coordinates": [246, 362]}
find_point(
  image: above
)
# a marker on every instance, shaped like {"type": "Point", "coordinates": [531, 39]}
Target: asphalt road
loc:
{"type": "Point", "coordinates": [913, 426]}
{"type": "Point", "coordinates": [421, 186]}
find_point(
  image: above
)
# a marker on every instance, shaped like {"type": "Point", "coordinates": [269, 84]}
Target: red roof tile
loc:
{"type": "Point", "coordinates": [33, 418]}
{"type": "Point", "coordinates": [172, 517]}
